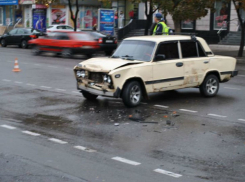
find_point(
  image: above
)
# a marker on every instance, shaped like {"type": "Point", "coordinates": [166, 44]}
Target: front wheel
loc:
{"type": "Point", "coordinates": [3, 43]}
{"type": "Point", "coordinates": [210, 86]}
{"type": "Point", "coordinates": [132, 94]}
{"type": "Point", "coordinates": [89, 96]}
{"type": "Point", "coordinates": [24, 44]}
{"type": "Point", "coordinates": [66, 53]}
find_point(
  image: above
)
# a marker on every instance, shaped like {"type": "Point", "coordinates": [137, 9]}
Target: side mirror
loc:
{"type": "Point", "coordinates": [160, 57]}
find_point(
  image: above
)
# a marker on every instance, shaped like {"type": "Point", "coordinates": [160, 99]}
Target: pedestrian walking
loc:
{"type": "Point", "coordinates": [116, 19]}
{"type": "Point", "coordinates": [131, 14]}
{"type": "Point", "coordinates": [121, 18]}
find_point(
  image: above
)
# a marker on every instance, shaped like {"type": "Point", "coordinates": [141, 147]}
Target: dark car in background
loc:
{"type": "Point", "coordinates": [107, 43]}
{"type": "Point", "coordinates": [20, 37]}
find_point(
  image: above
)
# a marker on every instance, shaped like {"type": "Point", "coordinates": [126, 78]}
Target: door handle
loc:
{"type": "Point", "coordinates": [179, 64]}
{"type": "Point", "coordinates": [206, 62]}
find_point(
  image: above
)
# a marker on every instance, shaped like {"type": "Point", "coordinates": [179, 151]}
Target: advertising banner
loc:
{"type": "Point", "coordinates": [106, 21]}
{"type": "Point", "coordinates": [26, 1]}
{"type": "Point", "coordinates": [9, 2]}
{"type": "Point", "coordinates": [39, 19]}
{"type": "Point", "coordinates": [58, 16]}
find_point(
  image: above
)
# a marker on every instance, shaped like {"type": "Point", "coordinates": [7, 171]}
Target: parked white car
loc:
{"type": "Point", "coordinates": [65, 28]}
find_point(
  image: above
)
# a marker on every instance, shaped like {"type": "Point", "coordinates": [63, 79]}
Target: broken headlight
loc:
{"type": "Point", "coordinates": [81, 74]}
{"type": "Point", "coordinates": [107, 79]}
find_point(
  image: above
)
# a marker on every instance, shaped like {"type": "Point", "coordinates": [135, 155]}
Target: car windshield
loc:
{"type": "Point", "coordinates": [135, 50]}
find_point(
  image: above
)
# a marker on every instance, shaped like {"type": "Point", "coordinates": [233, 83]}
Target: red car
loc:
{"type": "Point", "coordinates": [65, 44]}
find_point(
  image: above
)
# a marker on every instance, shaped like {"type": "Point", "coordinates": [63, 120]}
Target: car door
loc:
{"type": "Point", "coordinates": [196, 62]}
{"type": "Point", "coordinates": [10, 38]}
{"type": "Point", "coordinates": [168, 73]}
{"type": "Point", "coordinates": [19, 35]}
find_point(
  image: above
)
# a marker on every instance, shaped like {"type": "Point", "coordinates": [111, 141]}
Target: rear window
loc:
{"type": "Point", "coordinates": [29, 31]}
{"type": "Point", "coordinates": [189, 49]}
{"type": "Point", "coordinates": [97, 35]}
{"type": "Point", "coordinates": [83, 37]}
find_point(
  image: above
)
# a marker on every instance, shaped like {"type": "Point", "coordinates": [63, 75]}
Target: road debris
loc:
{"type": "Point", "coordinates": [116, 124]}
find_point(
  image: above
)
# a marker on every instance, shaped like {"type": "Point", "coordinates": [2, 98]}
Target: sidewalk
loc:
{"type": "Point", "coordinates": [227, 50]}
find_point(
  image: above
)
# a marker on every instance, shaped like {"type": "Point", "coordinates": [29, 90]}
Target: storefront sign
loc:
{"type": "Point", "coordinates": [26, 1]}
{"type": "Point", "coordinates": [39, 19]}
{"type": "Point", "coordinates": [58, 16]}
{"type": "Point", "coordinates": [39, 6]}
{"type": "Point", "coordinates": [9, 2]}
{"type": "Point", "coordinates": [106, 21]}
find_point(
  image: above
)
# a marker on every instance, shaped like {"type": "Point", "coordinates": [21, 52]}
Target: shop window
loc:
{"type": "Point", "coordinates": [1, 15]}
{"type": "Point", "coordinates": [189, 49]}
{"type": "Point", "coordinates": [221, 15]}
{"type": "Point", "coordinates": [170, 50]}
{"type": "Point", "coordinates": [187, 24]}
{"type": "Point", "coordinates": [88, 18]}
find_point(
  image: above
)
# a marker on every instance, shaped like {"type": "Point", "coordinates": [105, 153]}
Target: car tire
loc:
{"type": "Point", "coordinates": [89, 55]}
{"type": "Point", "coordinates": [210, 86]}
{"type": "Point", "coordinates": [108, 53]}
{"type": "Point", "coordinates": [24, 44]}
{"type": "Point", "coordinates": [66, 53]}
{"type": "Point", "coordinates": [132, 94]}
{"type": "Point", "coordinates": [36, 50]}
{"type": "Point", "coordinates": [3, 43]}
{"type": "Point", "coordinates": [89, 96]}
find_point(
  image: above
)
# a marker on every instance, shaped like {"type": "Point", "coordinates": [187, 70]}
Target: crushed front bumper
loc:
{"type": "Point", "coordinates": [95, 91]}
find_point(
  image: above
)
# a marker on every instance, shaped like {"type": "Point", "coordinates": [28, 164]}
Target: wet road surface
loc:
{"type": "Point", "coordinates": [50, 132]}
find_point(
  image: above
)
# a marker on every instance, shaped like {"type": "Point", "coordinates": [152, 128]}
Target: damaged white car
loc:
{"type": "Point", "coordinates": [143, 65]}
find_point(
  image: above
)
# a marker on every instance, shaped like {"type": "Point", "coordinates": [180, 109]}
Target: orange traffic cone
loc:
{"type": "Point", "coordinates": [16, 66]}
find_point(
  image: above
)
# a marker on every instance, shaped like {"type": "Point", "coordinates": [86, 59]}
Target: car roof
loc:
{"type": "Point", "coordinates": [166, 38]}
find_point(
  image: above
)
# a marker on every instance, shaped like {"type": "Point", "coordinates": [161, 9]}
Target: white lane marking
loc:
{"type": "Point", "coordinates": [216, 115]}
{"type": "Point", "coordinates": [31, 133]}
{"type": "Point", "coordinates": [52, 66]}
{"type": "Point", "coordinates": [241, 75]}
{"type": "Point", "coordinates": [241, 119]}
{"type": "Point", "coordinates": [76, 92]}
{"type": "Point", "coordinates": [45, 87]}
{"type": "Point", "coordinates": [186, 110]}
{"type": "Point", "coordinates": [167, 173]}
{"type": "Point", "coordinates": [18, 82]}
{"type": "Point", "coordinates": [57, 140]}
{"type": "Point", "coordinates": [232, 88]}
{"type": "Point", "coordinates": [84, 149]}
{"type": "Point", "coordinates": [29, 84]}
{"type": "Point", "coordinates": [8, 127]}
{"type": "Point", "coordinates": [62, 90]}
{"type": "Point", "coordinates": [120, 159]}
{"type": "Point", "coordinates": [5, 80]}
{"type": "Point", "coordinates": [161, 106]}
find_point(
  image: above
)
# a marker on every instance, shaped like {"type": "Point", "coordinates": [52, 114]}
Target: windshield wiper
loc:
{"type": "Point", "coordinates": [127, 57]}
{"type": "Point", "coordinates": [115, 57]}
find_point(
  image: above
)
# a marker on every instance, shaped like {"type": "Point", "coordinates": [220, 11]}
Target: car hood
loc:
{"type": "Point", "coordinates": [106, 64]}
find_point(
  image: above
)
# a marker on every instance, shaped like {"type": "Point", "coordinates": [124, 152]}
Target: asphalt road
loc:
{"type": "Point", "coordinates": [49, 132]}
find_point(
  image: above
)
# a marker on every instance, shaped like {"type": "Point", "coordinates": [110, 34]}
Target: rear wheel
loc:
{"type": "Point", "coordinates": [132, 94]}
{"type": "Point", "coordinates": [36, 50]}
{"type": "Point", "coordinates": [66, 53]}
{"type": "Point", "coordinates": [24, 44]}
{"type": "Point", "coordinates": [108, 53]}
{"type": "Point", "coordinates": [210, 86]}
{"type": "Point", "coordinates": [3, 43]}
{"type": "Point", "coordinates": [89, 96]}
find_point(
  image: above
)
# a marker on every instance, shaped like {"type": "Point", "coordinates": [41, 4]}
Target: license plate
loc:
{"type": "Point", "coordinates": [109, 41]}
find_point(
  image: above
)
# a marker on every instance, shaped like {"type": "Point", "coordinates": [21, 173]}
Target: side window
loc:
{"type": "Point", "coordinates": [201, 51]}
{"type": "Point", "coordinates": [69, 28]}
{"type": "Point", "coordinates": [13, 32]}
{"type": "Point", "coordinates": [59, 27]}
{"type": "Point", "coordinates": [20, 32]}
{"type": "Point", "coordinates": [170, 50]}
{"type": "Point", "coordinates": [62, 36]}
{"type": "Point", "coordinates": [189, 49]}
